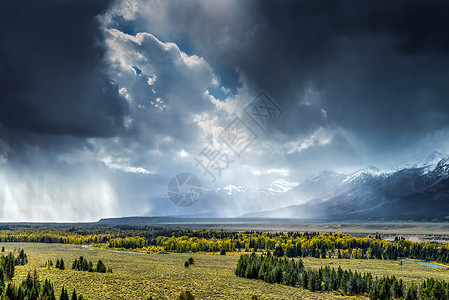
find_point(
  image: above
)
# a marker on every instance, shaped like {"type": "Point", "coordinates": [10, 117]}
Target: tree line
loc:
{"type": "Point", "coordinates": [272, 269]}
{"type": "Point", "coordinates": [290, 244]}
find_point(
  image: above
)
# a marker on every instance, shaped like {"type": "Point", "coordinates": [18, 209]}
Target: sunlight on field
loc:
{"type": "Point", "coordinates": [163, 276]}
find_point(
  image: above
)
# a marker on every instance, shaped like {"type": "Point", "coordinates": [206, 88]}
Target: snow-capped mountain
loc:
{"type": "Point", "coordinates": [419, 193]}
{"type": "Point", "coordinates": [317, 185]}
{"type": "Point", "coordinates": [232, 190]}
{"type": "Point", "coordinates": [432, 160]}
{"type": "Point", "coordinates": [281, 186]}
{"type": "Point", "coordinates": [228, 201]}
{"type": "Point", "coordinates": [363, 175]}
{"type": "Point", "coordinates": [428, 163]}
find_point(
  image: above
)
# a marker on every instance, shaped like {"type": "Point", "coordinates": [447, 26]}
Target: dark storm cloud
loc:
{"type": "Point", "coordinates": [379, 69]}
{"type": "Point", "coordinates": [52, 77]}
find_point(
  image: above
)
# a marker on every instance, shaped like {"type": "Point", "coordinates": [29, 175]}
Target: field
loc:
{"type": "Point", "coordinates": [163, 276]}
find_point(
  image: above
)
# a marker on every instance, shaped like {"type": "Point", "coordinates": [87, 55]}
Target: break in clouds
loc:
{"type": "Point", "coordinates": [103, 102]}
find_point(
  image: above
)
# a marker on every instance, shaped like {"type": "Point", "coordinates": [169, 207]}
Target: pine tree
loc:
{"type": "Point", "coordinates": [47, 291]}
{"type": "Point", "coordinates": [64, 294]}
{"type": "Point", "coordinates": [279, 252]}
{"type": "Point", "coordinates": [75, 265]}
{"type": "Point", "coordinates": [396, 289]}
{"type": "Point", "coordinates": [35, 278]}
{"type": "Point", "coordinates": [28, 282]}
{"type": "Point", "coordinates": [10, 265]}
{"type": "Point", "coordinates": [22, 258]}
{"type": "Point", "coordinates": [186, 264]}
{"type": "Point", "coordinates": [412, 292]}
{"type": "Point", "coordinates": [61, 264]}
{"type": "Point", "coordinates": [57, 263]}
{"type": "Point", "coordinates": [305, 280]}
{"type": "Point", "coordinates": [101, 268]}
{"type": "Point", "coordinates": [74, 295]}
{"type": "Point", "coordinates": [10, 291]}
{"type": "Point", "coordinates": [2, 280]}
{"type": "Point", "coordinates": [313, 282]}
{"type": "Point", "coordinates": [191, 261]}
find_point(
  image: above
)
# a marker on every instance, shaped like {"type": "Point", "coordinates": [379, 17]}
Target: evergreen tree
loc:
{"type": "Point", "coordinates": [186, 264]}
{"type": "Point", "coordinates": [412, 292]}
{"type": "Point", "coordinates": [305, 280]}
{"type": "Point", "coordinates": [101, 268]}
{"type": "Point", "coordinates": [64, 294]}
{"type": "Point", "coordinates": [22, 258]}
{"type": "Point", "coordinates": [278, 252]}
{"type": "Point", "coordinates": [2, 280]}
{"type": "Point", "coordinates": [10, 266]}
{"type": "Point", "coordinates": [35, 278]}
{"type": "Point", "coordinates": [191, 261]}
{"type": "Point", "coordinates": [57, 263]}
{"type": "Point", "coordinates": [47, 291]}
{"type": "Point", "coordinates": [74, 295]}
{"type": "Point", "coordinates": [10, 292]}
{"type": "Point", "coordinates": [438, 291]}
{"type": "Point", "coordinates": [313, 284]}
{"type": "Point", "coordinates": [75, 265]}
{"type": "Point", "coordinates": [397, 289]}
{"type": "Point", "coordinates": [61, 264]}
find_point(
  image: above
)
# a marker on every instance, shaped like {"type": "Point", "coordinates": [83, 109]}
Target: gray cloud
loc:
{"type": "Point", "coordinates": [53, 77]}
{"type": "Point", "coordinates": [379, 69]}
{"type": "Point", "coordinates": [130, 91]}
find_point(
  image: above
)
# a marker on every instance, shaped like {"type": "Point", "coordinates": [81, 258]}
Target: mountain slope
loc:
{"type": "Point", "coordinates": [421, 192]}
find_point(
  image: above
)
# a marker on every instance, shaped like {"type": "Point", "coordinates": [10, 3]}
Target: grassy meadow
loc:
{"type": "Point", "coordinates": [163, 276]}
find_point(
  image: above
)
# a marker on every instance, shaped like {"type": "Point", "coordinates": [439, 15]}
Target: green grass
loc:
{"type": "Point", "coordinates": [163, 276]}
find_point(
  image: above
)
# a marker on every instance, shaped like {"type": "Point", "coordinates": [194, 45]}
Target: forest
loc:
{"type": "Point", "coordinates": [291, 244]}
{"type": "Point", "coordinates": [272, 269]}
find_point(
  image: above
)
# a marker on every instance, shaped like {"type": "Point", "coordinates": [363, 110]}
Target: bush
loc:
{"type": "Point", "coordinates": [187, 295]}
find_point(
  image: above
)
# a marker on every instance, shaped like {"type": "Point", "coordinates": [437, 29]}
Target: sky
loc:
{"type": "Point", "coordinates": [104, 102]}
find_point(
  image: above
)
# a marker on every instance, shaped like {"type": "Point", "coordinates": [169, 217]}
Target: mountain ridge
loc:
{"type": "Point", "coordinates": [419, 191]}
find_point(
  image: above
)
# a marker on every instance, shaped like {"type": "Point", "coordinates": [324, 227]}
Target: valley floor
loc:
{"type": "Point", "coordinates": [163, 276]}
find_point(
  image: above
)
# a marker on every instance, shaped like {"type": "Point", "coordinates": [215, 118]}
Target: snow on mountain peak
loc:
{"type": "Point", "coordinates": [432, 160]}
{"type": "Point", "coordinates": [320, 175]}
{"type": "Point", "coordinates": [281, 186]}
{"type": "Point", "coordinates": [363, 174]}
{"type": "Point", "coordinates": [232, 189]}
{"type": "Point", "coordinates": [373, 170]}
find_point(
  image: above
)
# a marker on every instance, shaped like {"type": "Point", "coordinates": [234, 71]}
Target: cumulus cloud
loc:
{"type": "Point", "coordinates": [357, 62]}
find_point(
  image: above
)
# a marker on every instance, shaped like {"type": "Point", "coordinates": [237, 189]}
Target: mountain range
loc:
{"type": "Point", "coordinates": [416, 191]}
